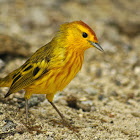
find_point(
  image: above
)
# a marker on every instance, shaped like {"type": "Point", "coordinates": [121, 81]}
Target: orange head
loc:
{"type": "Point", "coordinates": [78, 35]}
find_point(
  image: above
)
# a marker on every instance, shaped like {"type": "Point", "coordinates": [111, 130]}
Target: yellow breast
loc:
{"type": "Point", "coordinates": [58, 78]}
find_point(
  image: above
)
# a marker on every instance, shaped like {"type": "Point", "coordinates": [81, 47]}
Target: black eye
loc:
{"type": "Point", "coordinates": [84, 35]}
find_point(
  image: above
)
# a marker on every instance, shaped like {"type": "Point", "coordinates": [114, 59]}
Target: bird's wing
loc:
{"type": "Point", "coordinates": [33, 69]}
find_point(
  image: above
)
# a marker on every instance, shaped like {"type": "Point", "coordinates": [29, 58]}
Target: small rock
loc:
{"type": "Point", "coordinates": [128, 47]}
{"type": "Point", "coordinates": [136, 114]}
{"type": "Point", "coordinates": [88, 102]}
{"type": "Point", "coordinates": [137, 70]}
{"type": "Point", "coordinates": [101, 97]}
{"type": "Point", "coordinates": [1, 113]}
{"type": "Point", "coordinates": [9, 125]}
{"type": "Point", "coordinates": [117, 82]}
{"type": "Point", "coordinates": [114, 93]}
{"type": "Point", "coordinates": [35, 100]}
{"type": "Point", "coordinates": [130, 95]}
{"type": "Point", "coordinates": [98, 72]}
{"type": "Point", "coordinates": [111, 115]}
{"type": "Point", "coordinates": [90, 90]}
{"type": "Point", "coordinates": [72, 101]}
{"type": "Point", "coordinates": [84, 107]}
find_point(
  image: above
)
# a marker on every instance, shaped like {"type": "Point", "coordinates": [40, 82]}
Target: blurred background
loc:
{"type": "Point", "coordinates": [103, 99]}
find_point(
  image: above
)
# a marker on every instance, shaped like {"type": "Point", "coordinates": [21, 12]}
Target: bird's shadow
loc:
{"type": "Point", "coordinates": [64, 123]}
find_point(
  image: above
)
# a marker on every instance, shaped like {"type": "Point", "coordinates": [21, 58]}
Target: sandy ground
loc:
{"type": "Point", "coordinates": [103, 101]}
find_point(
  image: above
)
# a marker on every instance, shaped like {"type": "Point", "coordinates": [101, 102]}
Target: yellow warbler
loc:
{"type": "Point", "coordinates": [53, 66]}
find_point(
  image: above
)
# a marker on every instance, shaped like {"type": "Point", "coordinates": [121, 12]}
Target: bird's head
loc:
{"type": "Point", "coordinates": [78, 36]}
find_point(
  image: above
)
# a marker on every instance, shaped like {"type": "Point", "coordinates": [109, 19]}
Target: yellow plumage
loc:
{"type": "Point", "coordinates": [53, 66]}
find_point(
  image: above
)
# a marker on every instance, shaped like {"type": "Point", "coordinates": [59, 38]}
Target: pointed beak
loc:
{"type": "Point", "coordinates": [96, 45]}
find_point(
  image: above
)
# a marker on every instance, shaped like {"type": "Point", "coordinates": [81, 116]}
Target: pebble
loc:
{"type": "Point", "coordinates": [72, 101]}
{"type": "Point", "coordinates": [136, 114]}
{"type": "Point", "coordinates": [1, 113]}
{"type": "Point", "coordinates": [88, 102]}
{"type": "Point", "coordinates": [90, 90]}
{"type": "Point", "coordinates": [9, 125]}
{"type": "Point", "coordinates": [98, 72]}
{"type": "Point", "coordinates": [35, 100]}
{"type": "Point", "coordinates": [137, 70]}
{"type": "Point", "coordinates": [101, 97]}
{"type": "Point", "coordinates": [114, 93]}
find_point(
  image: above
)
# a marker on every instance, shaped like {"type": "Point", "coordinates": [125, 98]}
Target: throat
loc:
{"type": "Point", "coordinates": [74, 60]}
{"type": "Point", "coordinates": [72, 66]}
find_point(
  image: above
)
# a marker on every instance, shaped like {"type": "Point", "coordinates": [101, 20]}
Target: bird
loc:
{"type": "Point", "coordinates": [51, 68]}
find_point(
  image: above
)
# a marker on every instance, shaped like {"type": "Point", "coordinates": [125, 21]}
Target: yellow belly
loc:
{"type": "Point", "coordinates": [55, 80]}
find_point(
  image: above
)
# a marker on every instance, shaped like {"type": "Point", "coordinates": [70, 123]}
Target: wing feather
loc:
{"type": "Point", "coordinates": [33, 69]}
{"type": "Point", "coordinates": [44, 59]}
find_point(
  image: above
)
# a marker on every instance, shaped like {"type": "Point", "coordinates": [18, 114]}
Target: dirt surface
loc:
{"type": "Point", "coordinates": [103, 101]}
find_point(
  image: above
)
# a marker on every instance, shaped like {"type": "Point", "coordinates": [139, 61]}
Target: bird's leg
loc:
{"type": "Point", "coordinates": [57, 110]}
{"type": "Point", "coordinates": [63, 119]}
{"type": "Point", "coordinates": [27, 97]}
{"type": "Point", "coordinates": [26, 108]}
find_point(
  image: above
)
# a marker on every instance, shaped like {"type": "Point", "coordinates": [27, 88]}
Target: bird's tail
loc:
{"type": "Point", "coordinates": [5, 82]}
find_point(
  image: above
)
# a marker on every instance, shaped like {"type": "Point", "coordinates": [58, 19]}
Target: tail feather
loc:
{"type": "Point", "coordinates": [8, 93]}
{"type": "Point", "coordinates": [5, 82]}
{"type": "Point", "coordinates": [2, 83]}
